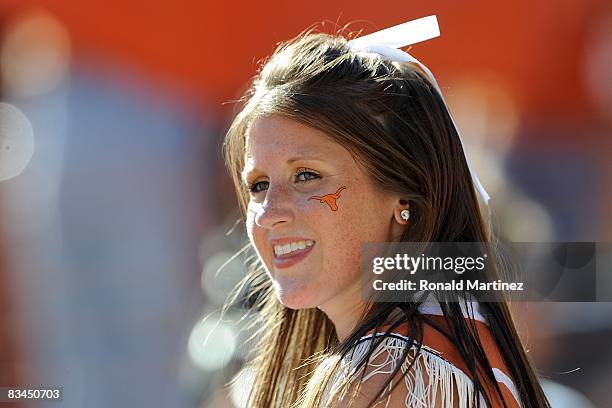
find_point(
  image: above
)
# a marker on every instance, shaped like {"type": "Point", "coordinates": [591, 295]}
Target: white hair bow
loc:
{"type": "Point", "coordinates": [387, 43]}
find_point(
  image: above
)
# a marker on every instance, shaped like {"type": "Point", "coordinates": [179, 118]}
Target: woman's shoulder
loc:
{"type": "Point", "coordinates": [436, 375]}
{"type": "Point", "coordinates": [424, 379]}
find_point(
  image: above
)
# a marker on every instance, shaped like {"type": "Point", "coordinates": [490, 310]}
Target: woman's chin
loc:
{"type": "Point", "coordinates": [297, 298]}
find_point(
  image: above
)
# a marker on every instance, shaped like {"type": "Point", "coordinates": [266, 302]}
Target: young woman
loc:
{"type": "Point", "coordinates": [336, 147]}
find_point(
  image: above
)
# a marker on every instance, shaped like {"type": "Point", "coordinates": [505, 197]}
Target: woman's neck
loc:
{"type": "Point", "coordinates": [345, 310]}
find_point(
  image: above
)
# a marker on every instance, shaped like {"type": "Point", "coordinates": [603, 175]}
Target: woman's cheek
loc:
{"type": "Point", "coordinates": [340, 231]}
{"type": "Point", "coordinates": [250, 224]}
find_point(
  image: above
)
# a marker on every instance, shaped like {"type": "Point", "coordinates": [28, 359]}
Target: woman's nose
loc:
{"type": "Point", "coordinates": [275, 210]}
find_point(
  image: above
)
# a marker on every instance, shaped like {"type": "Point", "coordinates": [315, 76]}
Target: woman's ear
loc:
{"type": "Point", "coordinates": [401, 215]}
{"type": "Point", "coordinates": [402, 212]}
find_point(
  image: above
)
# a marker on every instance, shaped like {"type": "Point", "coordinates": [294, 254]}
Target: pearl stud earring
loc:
{"type": "Point", "coordinates": [405, 214]}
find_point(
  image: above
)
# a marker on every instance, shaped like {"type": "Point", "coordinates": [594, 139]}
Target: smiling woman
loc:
{"type": "Point", "coordinates": [332, 149]}
{"type": "Point", "coordinates": [280, 214]}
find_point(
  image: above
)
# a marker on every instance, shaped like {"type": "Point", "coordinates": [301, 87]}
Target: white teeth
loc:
{"type": "Point", "coordinates": [294, 246]}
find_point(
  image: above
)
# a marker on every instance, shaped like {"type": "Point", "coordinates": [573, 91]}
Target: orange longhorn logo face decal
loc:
{"type": "Point", "coordinates": [330, 199]}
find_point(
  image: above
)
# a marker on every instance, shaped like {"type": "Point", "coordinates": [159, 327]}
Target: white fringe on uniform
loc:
{"type": "Point", "coordinates": [429, 378]}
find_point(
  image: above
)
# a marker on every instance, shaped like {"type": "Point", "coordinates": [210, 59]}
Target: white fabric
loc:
{"type": "Point", "coordinates": [500, 376]}
{"type": "Point", "coordinates": [469, 309]}
{"type": "Point", "coordinates": [411, 32]}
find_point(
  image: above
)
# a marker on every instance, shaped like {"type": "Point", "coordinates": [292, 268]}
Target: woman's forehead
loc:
{"type": "Point", "coordinates": [277, 135]}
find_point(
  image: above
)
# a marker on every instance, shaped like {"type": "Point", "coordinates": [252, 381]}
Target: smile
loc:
{"type": "Point", "coordinates": [289, 248]}
{"type": "Point", "coordinates": [289, 254]}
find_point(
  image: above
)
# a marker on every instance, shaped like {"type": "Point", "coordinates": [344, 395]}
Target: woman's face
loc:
{"type": "Point", "coordinates": [310, 208]}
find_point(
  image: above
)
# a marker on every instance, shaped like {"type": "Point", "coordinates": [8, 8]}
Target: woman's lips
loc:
{"type": "Point", "coordinates": [285, 261]}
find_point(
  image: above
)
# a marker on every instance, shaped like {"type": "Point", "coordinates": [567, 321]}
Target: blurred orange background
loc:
{"type": "Point", "coordinates": [211, 48]}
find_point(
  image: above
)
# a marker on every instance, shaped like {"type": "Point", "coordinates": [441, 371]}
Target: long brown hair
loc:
{"type": "Point", "coordinates": [394, 122]}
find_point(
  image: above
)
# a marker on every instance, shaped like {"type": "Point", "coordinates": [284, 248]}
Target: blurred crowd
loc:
{"type": "Point", "coordinates": [118, 222]}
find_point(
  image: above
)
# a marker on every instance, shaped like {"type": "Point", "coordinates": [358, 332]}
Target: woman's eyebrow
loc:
{"type": "Point", "coordinates": [244, 175]}
{"type": "Point", "coordinates": [305, 157]}
{"type": "Point", "coordinates": [246, 169]}
{"type": "Point", "coordinates": [310, 157]}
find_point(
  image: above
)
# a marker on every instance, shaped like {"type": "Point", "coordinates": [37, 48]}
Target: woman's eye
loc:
{"type": "Point", "coordinates": [259, 186]}
{"type": "Point", "coordinates": [306, 175]}
{"type": "Point", "coordinates": [302, 176]}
